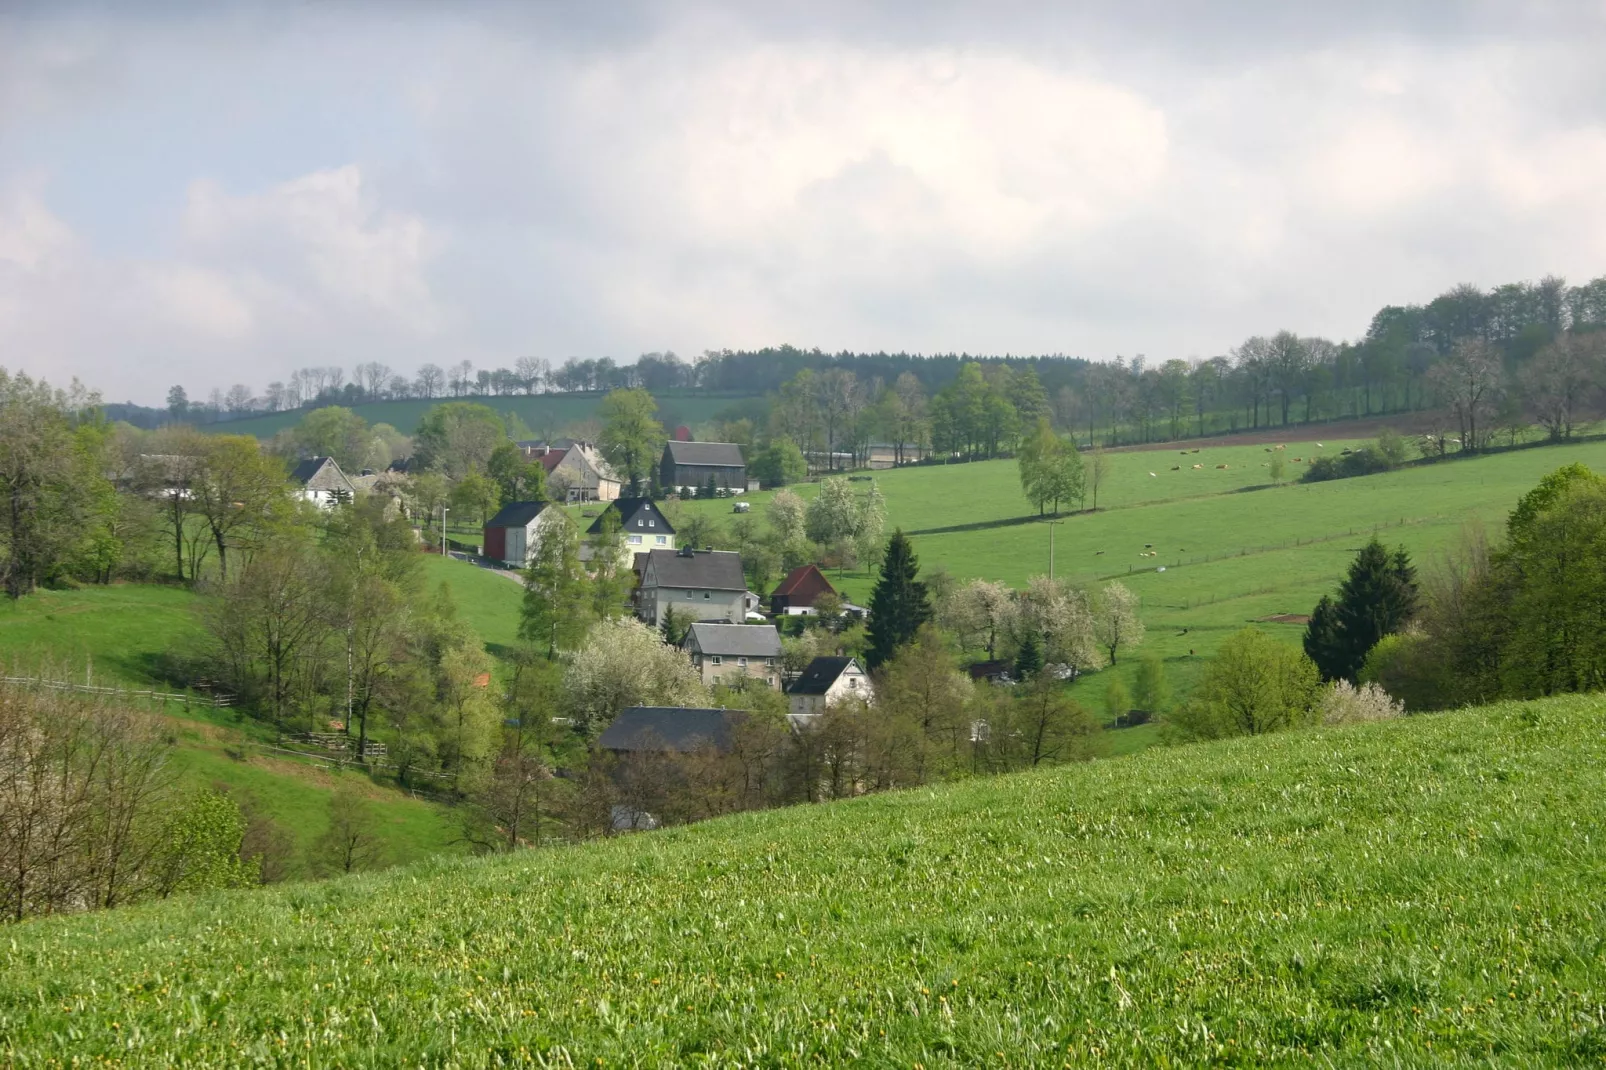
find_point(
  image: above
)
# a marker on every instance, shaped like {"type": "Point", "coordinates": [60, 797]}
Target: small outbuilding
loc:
{"type": "Point", "coordinates": [512, 535]}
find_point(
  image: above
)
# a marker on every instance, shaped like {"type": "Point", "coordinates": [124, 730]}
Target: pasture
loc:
{"type": "Point", "coordinates": [1234, 548]}
{"type": "Point", "coordinates": [1407, 893]}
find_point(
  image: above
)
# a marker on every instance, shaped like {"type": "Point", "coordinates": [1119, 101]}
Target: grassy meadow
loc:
{"type": "Point", "coordinates": [1414, 892]}
{"type": "Point", "coordinates": [1235, 548]}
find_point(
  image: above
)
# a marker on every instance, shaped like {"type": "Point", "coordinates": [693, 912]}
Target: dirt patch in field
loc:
{"type": "Point", "coordinates": [1285, 618]}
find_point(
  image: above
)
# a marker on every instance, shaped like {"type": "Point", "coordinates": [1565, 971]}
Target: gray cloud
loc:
{"type": "Point", "coordinates": [211, 196]}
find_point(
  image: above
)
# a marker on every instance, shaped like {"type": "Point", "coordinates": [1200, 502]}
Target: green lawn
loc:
{"type": "Point", "coordinates": [487, 600]}
{"type": "Point", "coordinates": [1418, 892]}
{"type": "Point", "coordinates": [543, 413]}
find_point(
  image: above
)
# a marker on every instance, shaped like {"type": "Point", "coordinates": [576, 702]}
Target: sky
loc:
{"type": "Point", "coordinates": [216, 193]}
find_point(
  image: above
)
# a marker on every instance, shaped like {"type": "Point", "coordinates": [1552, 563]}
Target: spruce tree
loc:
{"type": "Point", "coordinates": [1377, 598]}
{"type": "Point", "coordinates": [899, 605]}
{"type": "Point", "coordinates": [1029, 660]}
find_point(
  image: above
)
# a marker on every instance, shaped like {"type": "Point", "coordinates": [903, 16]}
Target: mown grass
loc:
{"type": "Point", "coordinates": [1406, 893]}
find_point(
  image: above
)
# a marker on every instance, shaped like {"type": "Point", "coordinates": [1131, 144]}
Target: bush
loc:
{"type": "Point", "coordinates": [1256, 684]}
{"type": "Point", "coordinates": [1344, 703]}
{"type": "Point", "coordinates": [1366, 461]}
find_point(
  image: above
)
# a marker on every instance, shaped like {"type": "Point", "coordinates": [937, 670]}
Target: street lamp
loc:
{"type": "Point", "coordinates": [1052, 524]}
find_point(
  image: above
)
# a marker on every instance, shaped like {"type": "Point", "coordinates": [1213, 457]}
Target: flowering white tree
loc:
{"type": "Point", "coordinates": [625, 663]}
{"type": "Point", "coordinates": [1062, 616]}
{"type": "Point", "coordinates": [1344, 703]}
{"type": "Point", "coordinates": [1115, 619]}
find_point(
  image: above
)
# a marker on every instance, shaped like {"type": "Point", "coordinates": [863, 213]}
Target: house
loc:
{"type": "Point", "coordinates": [996, 671]}
{"type": "Point", "coordinates": [689, 465]}
{"type": "Point", "coordinates": [827, 680]}
{"type": "Point", "coordinates": [699, 584]}
{"type": "Point", "coordinates": [320, 481]}
{"type": "Point", "coordinates": [794, 596]}
{"type": "Point", "coordinates": [642, 525]}
{"type": "Point", "coordinates": [670, 729]}
{"type": "Point", "coordinates": [575, 466]}
{"type": "Point", "coordinates": [727, 651]}
{"type": "Point", "coordinates": [512, 535]}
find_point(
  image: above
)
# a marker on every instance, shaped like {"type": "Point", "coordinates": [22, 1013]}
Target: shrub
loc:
{"type": "Point", "coordinates": [1256, 684]}
{"type": "Point", "coordinates": [1344, 703]}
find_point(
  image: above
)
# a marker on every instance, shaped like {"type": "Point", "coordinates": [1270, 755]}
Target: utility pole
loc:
{"type": "Point", "coordinates": [1052, 524]}
{"type": "Point", "coordinates": [444, 511]}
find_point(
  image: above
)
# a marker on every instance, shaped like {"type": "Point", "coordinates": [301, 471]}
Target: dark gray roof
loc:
{"type": "Point", "coordinates": [820, 675]}
{"type": "Point", "coordinates": [707, 453]}
{"type": "Point", "coordinates": [712, 570]}
{"type": "Point", "coordinates": [735, 640]}
{"type": "Point", "coordinates": [671, 728]}
{"type": "Point", "coordinates": [634, 514]}
{"type": "Point", "coordinates": [516, 514]}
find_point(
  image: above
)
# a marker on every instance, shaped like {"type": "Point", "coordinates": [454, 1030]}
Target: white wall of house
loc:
{"type": "Point", "coordinates": [853, 682]}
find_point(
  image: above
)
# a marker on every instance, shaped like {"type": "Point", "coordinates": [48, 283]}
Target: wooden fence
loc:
{"type": "Point", "coordinates": [187, 699]}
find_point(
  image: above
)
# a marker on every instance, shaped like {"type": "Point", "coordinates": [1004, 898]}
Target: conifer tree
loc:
{"type": "Point", "coordinates": [899, 605]}
{"type": "Point", "coordinates": [1029, 660]}
{"type": "Point", "coordinates": [1377, 598]}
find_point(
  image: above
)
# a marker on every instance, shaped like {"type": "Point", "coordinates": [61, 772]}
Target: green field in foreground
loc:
{"type": "Point", "coordinates": [1412, 892]}
{"type": "Point", "coordinates": [543, 414]}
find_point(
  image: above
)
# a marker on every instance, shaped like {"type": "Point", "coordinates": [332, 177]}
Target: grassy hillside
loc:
{"type": "Point", "coordinates": [1413, 892]}
{"type": "Point", "coordinates": [118, 636]}
{"type": "Point", "coordinates": [542, 413]}
{"type": "Point", "coordinates": [1234, 548]}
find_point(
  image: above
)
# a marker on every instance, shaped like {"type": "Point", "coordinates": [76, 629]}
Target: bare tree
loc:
{"type": "Point", "coordinates": [352, 841]}
{"type": "Point", "coordinates": [430, 380]}
{"type": "Point", "coordinates": [1470, 381]}
{"type": "Point", "coordinates": [1559, 381]}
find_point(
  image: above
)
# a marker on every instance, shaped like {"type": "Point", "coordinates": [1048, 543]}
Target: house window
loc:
{"type": "Point", "coordinates": [705, 595]}
{"type": "Point", "coordinates": [659, 539]}
{"type": "Point", "coordinates": [853, 681]}
{"type": "Point", "coordinates": [688, 594]}
{"type": "Point", "coordinates": [718, 659]}
{"type": "Point", "coordinates": [652, 523]}
{"type": "Point", "coordinates": [741, 662]}
{"type": "Point", "coordinates": [635, 540]}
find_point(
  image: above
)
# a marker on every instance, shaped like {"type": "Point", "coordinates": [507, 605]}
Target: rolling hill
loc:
{"type": "Point", "coordinates": [1410, 892]}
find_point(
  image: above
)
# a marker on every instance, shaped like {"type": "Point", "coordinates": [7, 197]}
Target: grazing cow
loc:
{"type": "Point", "coordinates": [1198, 466]}
{"type": "Point", "coordinates": [1220, 466]}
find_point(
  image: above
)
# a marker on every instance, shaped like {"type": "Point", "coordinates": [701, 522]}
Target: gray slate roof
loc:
{"type": "Point", "coordinates": [728, 454]}
{"type": "Point", "coordinates": [820, 675]}
{"type": "Point", "coordinates": [516, 514]}
{"type": "Point", "coordinates": [709, 570]}
{"type": "Point", "coordinates": [634, 514]}
{"type": "Point", "coordinates": [670, 728]}
{"type": "Point", "coordinates": [735, 640]}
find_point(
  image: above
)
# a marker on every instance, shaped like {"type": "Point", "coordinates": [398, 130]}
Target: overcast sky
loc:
{"type": "Point", "coordinates": [208, 194]}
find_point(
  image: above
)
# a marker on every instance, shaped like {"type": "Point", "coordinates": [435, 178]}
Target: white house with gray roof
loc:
{"type": "Point", "coordinates": [728, 651]}
{"type": "Point", "coordinates": [320, 481]}
{"type": "Point", "coordinates": [701, 585]}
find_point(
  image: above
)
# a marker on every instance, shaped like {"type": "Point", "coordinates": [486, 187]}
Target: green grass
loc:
{"type": "Point", "coordinates": [1234, 548]}
{"type": "Point", "coordinates": [115, 635]}
{"type": "Point", "coordinates": [1418, 892]}
{"type": "Point", "coordinates": [488, 601]}
{"type": "Point", "coordinates": [542, 413]}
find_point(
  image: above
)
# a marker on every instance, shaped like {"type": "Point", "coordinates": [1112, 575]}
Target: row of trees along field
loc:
{"type": "Point", "coordinates": [1269, 380]}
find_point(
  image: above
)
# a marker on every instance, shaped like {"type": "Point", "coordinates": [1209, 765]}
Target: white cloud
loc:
{"type": "Point", "coordinates": [312, 268]}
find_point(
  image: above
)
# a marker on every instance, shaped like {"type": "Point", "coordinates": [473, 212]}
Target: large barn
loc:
{"type": "Point", "coordinates": [689, 465]}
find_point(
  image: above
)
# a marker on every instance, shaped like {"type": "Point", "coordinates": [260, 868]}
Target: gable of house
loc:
{"type": "Point", "coordinates": [800, 588]}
